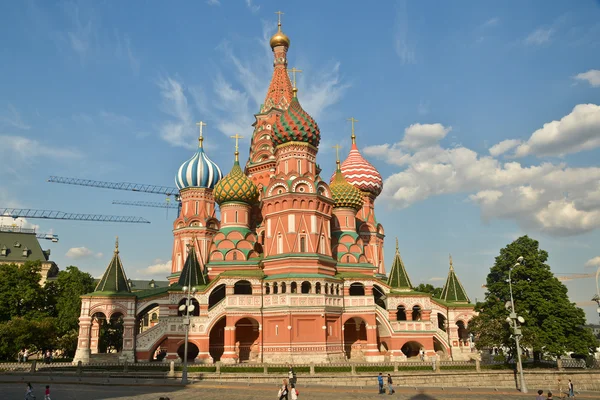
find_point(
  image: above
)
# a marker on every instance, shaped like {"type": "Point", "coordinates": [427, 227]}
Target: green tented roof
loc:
{"type": "Point", "coordinates": [398, 278]}
{"type": "Point", "coordinates": [191, 274]}
{"type": "Point", "coordinates": [453, 290]}
{"type": "Point", "coordinates": [295, 276]}
{"type": "Point", "coordinates": [243, 272]}
{"type": "Point", "coordinates": [114, 280]}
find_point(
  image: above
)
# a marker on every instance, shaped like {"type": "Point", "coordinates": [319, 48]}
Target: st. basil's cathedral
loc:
{"type": "Point", "coordinates": [292, 271]}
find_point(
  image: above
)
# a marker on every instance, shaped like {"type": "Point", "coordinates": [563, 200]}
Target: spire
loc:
{"type": "Point", "coordinates": [237, 147]}
{"type": "Point", "coordinates": [191, 274]}
{"type": "Point", "coordinates": [294, 87]}
{"type": "Point", "coordinates": [352, 120]}
{"type": "Point", "coordinates": [337, 148]}
{"type": "Point", "coordinates": [279, 94]}
{"type": "Point", "coordinates": [200, 138]}
{"type": "Point", "coordinates": [398, 277]}
{"type": "Point", "coordinates": [114, 279]}
{"type": "Point", "coordinates": [453, 290]}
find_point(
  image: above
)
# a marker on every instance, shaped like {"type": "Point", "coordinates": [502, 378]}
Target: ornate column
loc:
{"type": "Point", "coordinates": [83, 342]}
{"type": "Point", "coordinates": [94, 336]}
{"type": "Point", "coordinates": [229, 355]}
{"type": "Point", "coordinates": [128, 352]}
{"type": "Point", "coordinates": [372, 354]}
{"type": "Point", "coordinates": [203, 356]}
{"type": "Point", "coordinates": [426, 315]}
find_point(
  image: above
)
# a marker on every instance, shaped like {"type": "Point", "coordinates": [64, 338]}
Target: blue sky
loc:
{"type": "Point", "coordinates": [483, 119]}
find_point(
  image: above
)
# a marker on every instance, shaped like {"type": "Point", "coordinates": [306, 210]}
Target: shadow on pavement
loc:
{"type": "Point", "coordinates": [422, 396]}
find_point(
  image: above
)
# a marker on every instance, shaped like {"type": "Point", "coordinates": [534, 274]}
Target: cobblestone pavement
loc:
{"type": "Point", "coordinates": [63, 391]}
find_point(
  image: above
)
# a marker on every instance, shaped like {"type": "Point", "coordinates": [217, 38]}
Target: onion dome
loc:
{"type": "Point", "coordinates": [360, 173]}
{"type": "Point", "coordinates": [236, 186]}
{"type": "Point", "coordinates": [279, 38]}
{"type": "Point", "coordinates": [199, 171]}
{"type": "Point", "coordinates": [295, 125]}
{"type": "Point", "coordinates": [343, 193]}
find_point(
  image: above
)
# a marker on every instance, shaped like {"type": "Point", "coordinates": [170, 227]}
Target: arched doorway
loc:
{"type": "Point", "coordinates": [193, 302]}
{"type": "Point", "coordinates": [96, 332]}
{"type": "Point", "coordinates": [401, 313]}
{"type": "Point", "coordinates": [110, 339]}
{"type": "Point", "coordinates": [192, 351]}
{"type": "Point", "coordinates": [463, 332]}
{"type": "Point", "coordinates": [439, 348]}
{"type": "Point", "coordinates": [160, 351]}
{"type": "Point", "coordinates": [441, 321]}
{"type": "Point", "coordinates": [357, 289]}
{"type": "Point", "coordinates": [355, 338]}
{"type": "Point", "coordinates": [147, 317]}
{"type": "Point", "coordinates": [217, 294]}
{"type": "Point", "coordinates": [411, 349]}
{"type": "Point", "coordinates": [246, 340]}
{"type": "Point", "coordinates": [216, 341]}
{"type": "Point", "coordinates": [242, 287]}
{"type": "Point", "coordinates": [379, 296]}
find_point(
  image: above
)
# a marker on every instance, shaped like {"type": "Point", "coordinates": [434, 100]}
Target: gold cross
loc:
{"type": "Point", "coordinates": [200, 125]}
{"type": "Point", "coordinates": [451, 266]}
{"type": "Point", "coordinates": [293, 71]}
{"type": "Point", "coordinates": [279, 14]}
{"type": "Point", "coordinates": [236, 137]}
{"type": "Point", "coordinates": [117, 245]}
{"type": "Point", "coordinates": [337, 148]}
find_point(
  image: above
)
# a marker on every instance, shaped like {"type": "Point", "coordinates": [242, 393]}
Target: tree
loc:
{"type": "Point", "coordinates": [20, 333]}
{"type": "Point", "coordinates": [553, 325]}
{"type": "Point", "coordinates": [429, 288]}
{"type": "Point", "coordinates": [20, 292]}
{"type": "Point", "coordinates": [64, 300]}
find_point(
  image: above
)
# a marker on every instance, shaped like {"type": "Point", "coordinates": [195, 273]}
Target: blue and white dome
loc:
{"type": "Point", "coordinates": [199, 171]}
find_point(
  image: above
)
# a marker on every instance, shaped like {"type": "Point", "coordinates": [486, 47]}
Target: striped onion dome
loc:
{"type": "Point", "coordinates": [236, 186]}
{"type": "Point", "coordinates": [360, 173]}
{"type": "Point", "coordinates": [295, 125]}
{"type": "Point", "coordinates": [343, 193]}
{"type": "Point", "coordinates": [199, 171]}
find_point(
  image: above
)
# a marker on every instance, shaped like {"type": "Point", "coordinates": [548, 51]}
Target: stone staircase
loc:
{"type": "Point", "coordinates": [105, 358]}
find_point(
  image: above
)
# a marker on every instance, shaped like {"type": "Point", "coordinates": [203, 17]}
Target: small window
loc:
{"type": "Point", "coordinates": [3, 251]}
{"type": "Point", "coordinates": [303, 244]}
{"type": "Point", "coordinates": [235, 255]}
{"type": "Point", "coordinates": [294, 287]}
{"type": "Point", "coordinates": [267, 289]}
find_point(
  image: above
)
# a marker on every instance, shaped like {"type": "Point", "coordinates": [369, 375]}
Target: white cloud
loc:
{"type": "Point", "coordinates": [592, 77]}
{"type": "Point", "coordinates": [548, 197]}
{"type": "Point", "coordinates": [124, 50]}
{"type": "Point", "coordinates": [424, 135]}
{"type": "Point", "coordinates": [491, 22]}
{"type": "Point", "coordinates": [503, 147]}
{"type": "Point", "coordinates": [22, 148]}
{"type": "Point", "coordinates": [77, 253]}
{"type": "Point", "coordinates": [404, 48]}
{"type": "Point", "coordinates": [213, 2]}
{"type": "Point", "coordinates": [253, 7]}
{"type": "Point", "coordinates": [159, 267]}
{"type": "Point", "coordinates": [115, 119]}
{"type": "Point", "coordinates": [539, 37]}
{"type": "Point", "coordinates": [18, 222]}
{"type": "Point", "coordinates": [179, 131]}
{"type": "Point", "coordinates": [593, 262]}
{"type": "Point", "coordinates": [81, 34]}
{"type": "Point", "coordinates": [13, 119]}
{"type": "Point", "coordinates": [577, 131]}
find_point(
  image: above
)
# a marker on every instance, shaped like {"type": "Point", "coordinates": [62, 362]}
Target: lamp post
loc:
{"type": "Point", "coordinates": [596, 297]}
{"type": "Point", "coordinates": [188, 307]}
{"type": "Point", "coordinates": [514, 318]}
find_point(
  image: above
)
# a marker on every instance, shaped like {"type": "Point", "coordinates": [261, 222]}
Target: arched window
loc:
{"type": "Point", "coordinates": [283, 287]}
{"type": "Point", "coordinates": [318, 288]}
{"type": "Point", "coordinates": [279, 243]}
{"type": "Point", "coordinates": [357, 289]}
{"type": "Point", "coordinates": [236, 216]}
{"type": "Point", "coordinates": [347, 259]}
{"type": "Point", "coordinates": [337, 290]}
{"type": "Point", "coordinates": [441, 321]}
{"type": "Point", "coordinates": [294, 287]}
{"type": "Point", "coordinates": [242, 287]}
{"type": "Point", "coordinates": [305, 287]}
{"type": "Point", "coordinates": [327, 288]}
{"type": "Point", "coordinates": [302, 244]}
{"type": "Point", "coordinates": [267, 288]}
{"type": "Point", "coordinates": [416, 313]}
{"type": "Point", "coordinates": [401, 313]}
{"type": "Point", "coordinates": [275, 288]}
{"type": "Point", "coordinates": [234, 255]}
{"type": "Point", "coordinates": [322, 245]}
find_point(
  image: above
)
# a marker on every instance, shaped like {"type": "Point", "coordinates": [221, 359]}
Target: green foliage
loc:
{"type": "Point", "coordinates": [20, 333]}
{"type": "Point", "coordinates": [374, 368]}
{"type": "Point", "coordinates": [429, 288]}
{"type": "Point", "coordinates": [20, 292]}
{"type": "Point", "coordinates": [111, 335]}
{"type": "Point", "coordinates": [242, 369]}
{"type": "Point", "coordinates": [553, 325]}
{"type": "Point", "coordinates": [275, 370]}
{"type": "Point", "coordinates": [319, 368]}
{"type": "Point", "coordinates": [415, 367]}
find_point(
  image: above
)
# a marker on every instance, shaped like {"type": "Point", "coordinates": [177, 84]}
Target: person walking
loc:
{"type": "Point", "coordinates": [540, 395]}
{"type": "Point", "coordinates": [389, 382]}
{"type": "Point", "coordinates": [29, 392]}
{"type": "Point", "coordinates": [47, 393]}
{"type": "Point", "coordinates": [292, 376]}
{"type": "Point", "coordinates": [25, 355]}
{"type": "Point", "coordinates": [293, 391]}
{"type": "Point", "coordinates": [571, 390]}
{"type": "Point", "coordinates": [283, 392]}
{"type": "Point", "coordinates": [380, 381]}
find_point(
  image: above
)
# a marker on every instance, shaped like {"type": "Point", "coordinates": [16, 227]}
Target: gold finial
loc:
{"type": "Point", "coordinates": [352, 120]}
{"type": "Point", "coordinates": [451, 266]}
{"type": "Point", "coordinates": [293, 71]}
{"type": "Point", "coordinates": [279, 14]}
{"type": "Point", "coordinates": [397, 247]}
{"type": "Point", "coordinates": [337, 148]}
{"type": "Point", "coordinates": [117, 245]}
{"type": "Point", "coordinates": [200, 138]}
{"type": "Point", "coordinates": [237, 153]}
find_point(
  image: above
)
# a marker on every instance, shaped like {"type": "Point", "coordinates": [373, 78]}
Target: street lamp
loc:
{"type": "Point", "coordinates": [187, 307]}
{"type": "Point", "coordinates": [514, 318]}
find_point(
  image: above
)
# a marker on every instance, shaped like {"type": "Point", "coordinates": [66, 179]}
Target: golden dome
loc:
{"type": "Point", "coordinates": [279, 39]}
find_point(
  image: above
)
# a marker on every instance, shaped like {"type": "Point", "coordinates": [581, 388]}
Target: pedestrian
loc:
{"type": "Point", "coordinates": [47, 393]}
{"type": "Point", "coordinates": [540, 395]}
{"type": "Point", "coordinates": [389, 382]}
{"type": "Point", "coordinates": [292, 376]}
{"type": "Point", "coordinates": [422, 354]}
{"type": "Point", "coordinates": [380, 381]}
{"type": "Point", "coordinates": [571, 390]}
{"type": "Point", "coordinates": [294, 392]}
{"type": "Point", "coordinates": [29, 392]}
{"type": "Point", "coordinates": [550, 396]}
{"type": "Point", "coordinates": [283, 392]}
{"type": "Point", "coordinates": [25, 355]}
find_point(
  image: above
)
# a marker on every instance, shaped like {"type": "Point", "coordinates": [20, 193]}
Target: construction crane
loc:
{"type": "Point", "coordinates": [135, 187]}
{"type": "Point", "coordinates": [48, 236]}
{"type": "Point", "coordinates": [145, 204]}
{"type": "Point", "coordinates": [49, 214]}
